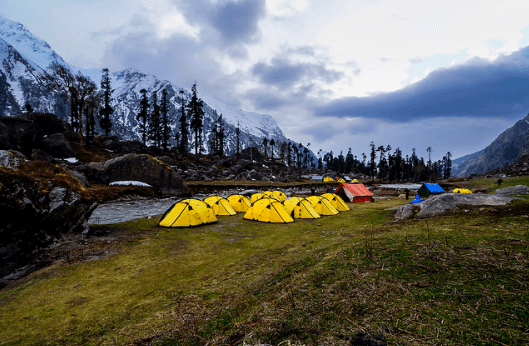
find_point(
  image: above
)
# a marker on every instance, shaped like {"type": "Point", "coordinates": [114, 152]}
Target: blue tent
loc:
{"type": "Point", "coordinates": [417, 199]}
{"type": "Point", "coordinates": [427, 189]}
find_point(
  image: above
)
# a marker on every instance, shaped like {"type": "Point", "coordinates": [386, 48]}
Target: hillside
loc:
{"type": "Point", "coordinates": [511, 145]}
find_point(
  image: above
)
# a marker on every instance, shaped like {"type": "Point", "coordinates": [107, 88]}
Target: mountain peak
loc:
{"type": "Point", "coordinates": [34, 49]}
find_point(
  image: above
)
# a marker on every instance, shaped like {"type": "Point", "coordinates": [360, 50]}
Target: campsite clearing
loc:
{"type": "Point", "coordinates": [455, 279]}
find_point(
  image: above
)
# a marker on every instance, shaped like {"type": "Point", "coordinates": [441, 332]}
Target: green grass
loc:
{"type": "Point", "coordinates": [488, 185]}
{"type": "Point", "coordinates": [456, 279]}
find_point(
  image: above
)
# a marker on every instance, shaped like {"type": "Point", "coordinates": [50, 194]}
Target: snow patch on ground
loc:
{"type": "Point", "coordinates": [129, 183]}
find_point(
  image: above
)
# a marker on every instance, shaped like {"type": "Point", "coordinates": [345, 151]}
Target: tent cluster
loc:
{"type": "Point", "coordinates": [270, 207]}
{"type": "Point", "coordinates": [335, 179]}
{"type": "Point", "coordinates": [284, 210]}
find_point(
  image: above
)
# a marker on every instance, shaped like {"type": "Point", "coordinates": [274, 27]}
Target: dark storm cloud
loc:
{"type": "Point", "coordinates": [226, 23]}
{"type": "Point", "coordinates": [237, 21]}
{"type": "Point", "coordinates": [284, 73]}
{"type": "Point", "coordinates": [476, 89]}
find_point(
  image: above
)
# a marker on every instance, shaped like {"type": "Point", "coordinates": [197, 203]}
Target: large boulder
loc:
{"type": "Point", "coordinates": [19, 134]}
{"type": "Point", "coordinates": [446, 202]}
{"type": "Point", "coordinates": [136, 167]}
{"type": "Point", "coordinates": [36, 131]}
{"type": "Point", "coordinates": [57, 145]}
{"type": "Point", "coordinates": [50, 124]}
{"type": "Point", "coordinates": [513, 190]}
{"type": "Point", "coordinates": [34, 215]}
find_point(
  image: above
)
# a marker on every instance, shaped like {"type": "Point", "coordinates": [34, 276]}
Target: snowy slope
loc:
{"type": "Point", "coordinates": [25, 59]}
{"type": "Point", "coordinates": [34, 50]}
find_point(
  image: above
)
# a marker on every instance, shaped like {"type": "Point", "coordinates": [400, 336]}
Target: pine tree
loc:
{"type": "Point", "coordinates": [143, 115]}
{"type": "Point", "coordinates": [196, 115]}
{"type": "Point", "coordinates": [372, 164]}
{"type": "Point", "coordinates": [238, 134]}
{"type": "Point", "coordinates": [289, 153]}
{"type": "Point", "coordinates": [154, 126]}
{"type": "Point", "coordinates": [182, 137]}
{"type": "Point", "coordinates": [221, 136]}
{"type": "Point", "coordinates": [447, 165]}
{"type": "Point", "coordinates": [106, 109]}
{"type": "Point", "coordinates": [272, 144]}
{"type": "Point", "coordinates": [164, 121]}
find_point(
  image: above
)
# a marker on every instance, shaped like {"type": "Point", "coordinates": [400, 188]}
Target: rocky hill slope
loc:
{"type": "Point", "coordinates": [510, 146]}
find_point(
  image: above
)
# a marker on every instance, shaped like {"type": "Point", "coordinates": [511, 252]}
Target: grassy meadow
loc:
{"type": "Point", "coordinates": [456, 279]}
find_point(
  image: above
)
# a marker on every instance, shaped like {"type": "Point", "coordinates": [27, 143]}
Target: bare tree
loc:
{"type": "Point", "coordinates": [78, 87]}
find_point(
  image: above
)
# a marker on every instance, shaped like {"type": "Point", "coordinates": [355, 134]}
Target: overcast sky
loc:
{"type": "Point", "coordinates": [450, 75]}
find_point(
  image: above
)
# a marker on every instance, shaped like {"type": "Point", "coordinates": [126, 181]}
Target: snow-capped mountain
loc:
{"type": "Point", "coordinates": [25, 58]}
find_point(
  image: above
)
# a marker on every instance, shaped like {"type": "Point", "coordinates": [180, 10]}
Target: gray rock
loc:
{"type": "Point", "coordinates": [79, 177]}
{"type": "Point", "coordinates": [11, 158]}
{"type": "Point", "coordinates": [444, 203]}
{"type": "Point", "coordinates": [513, 190]}
{"type": "Point", "coordinates": [57, 145]}
{"type": "Point", "coordinates": [136, 167]}
{"type": "Point", "coordinates": [254, 175]}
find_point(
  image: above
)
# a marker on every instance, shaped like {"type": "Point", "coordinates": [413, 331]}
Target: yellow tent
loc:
{"type": "Point", "coordinates": [280, 195]}
{"type": "Point", "coordinates": [328, 179]}
{"type": "Point", "coordinates": [187, 213]}
{"type": "Point", "coordinates": [220, 205]}
{"type": "Point", "coordinates": [354, 181]}
{"type": "Point", "coordinates": [341, 180]}
{"type": "Point", "coordinates": [322, 205]}
{"type": "Point", "coordinates": [462, 191]}
{"type": "Point", "coordinates": [239, 203]}
{"type": "Point", "coordinates": [256, 196]}
{"type": "Point", "coordinates": [271, 194]}
{"type": "Point", "coordinates": [336, 201]}
{"type": "Point", "coordinates": [300, 208]}
{"type": "Point", "coordinates": [268, 210]}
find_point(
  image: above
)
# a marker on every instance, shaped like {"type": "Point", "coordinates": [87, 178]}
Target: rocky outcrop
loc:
{"type": "Point", "coordinates": [513, 190]}
{"type": "Point", "coordinates": [33, 216]}
{"type": "Point", "coordinates": [43, 132]}
{"type": "Point", "coordinates": [144, 168]}
{"type": "Point", "coordinates": [447, 202]}
{"type": "Point", "coordinates": [511, 145]}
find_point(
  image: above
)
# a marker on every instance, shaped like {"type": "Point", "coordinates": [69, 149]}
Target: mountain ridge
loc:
{"type": "Point", "coordinates": [25, 58]}
{"type": "Point", "coordinates": [509, 146]}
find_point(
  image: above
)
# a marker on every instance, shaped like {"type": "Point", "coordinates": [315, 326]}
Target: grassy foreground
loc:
{"type": "Point", "coordinates": [458, 279]}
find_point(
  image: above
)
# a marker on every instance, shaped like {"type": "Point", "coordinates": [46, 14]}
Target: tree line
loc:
{"type": "Point", "coordinates": [384, 164]}
{"type": "Point", "coordinates": [88, 103]}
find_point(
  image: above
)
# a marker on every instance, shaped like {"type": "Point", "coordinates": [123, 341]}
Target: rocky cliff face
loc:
{"type": "Point", "coordinates": [36, 212]}
{"type": "Point", "coordinates": [504, 150]}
